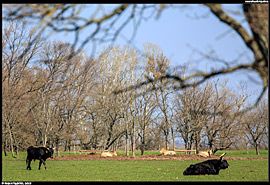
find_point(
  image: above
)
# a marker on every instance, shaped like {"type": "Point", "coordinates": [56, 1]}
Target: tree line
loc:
{"type": "Point", "coordinates": [50, 99]}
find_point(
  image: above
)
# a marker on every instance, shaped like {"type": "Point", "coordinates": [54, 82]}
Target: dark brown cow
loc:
{"type": "Point", "coordinates": [40, 153]}
{"type": "Point", "coordinates": [209, 167]}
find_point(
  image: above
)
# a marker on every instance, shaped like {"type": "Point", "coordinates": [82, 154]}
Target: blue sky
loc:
{"type": "Point", "coordinates": [177, 31]}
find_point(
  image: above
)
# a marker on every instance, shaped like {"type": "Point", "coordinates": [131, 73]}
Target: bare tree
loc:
{"type": "Point", "coordinates": [255, 123]}
{"type": "Point", "coordinates": [15, 71]}
{"type": "Point", "coordinates": [191, 107]}
{"type": "Point", "coordinates": [62, 96]}
{"type": "Point", "coordinates": [145, 107]}
{"type": "Point", "coordinates": [72, 93]}
{"type": "Point", "coordinates": [157, 65]}
{"type": "Point", "coordinates": [116, 70]}
{"type": "Point", "coordinates": [257, 17]}
{"type": "Point", "coordinates": [52, 58]}
{"type": "Point", "coordinates": [53, 16]}
{"type": "Point", "coordinates": [221, 127]}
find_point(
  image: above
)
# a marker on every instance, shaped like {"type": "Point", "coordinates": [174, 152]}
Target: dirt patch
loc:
{"type": "Point", "coordinates": [152, 157]}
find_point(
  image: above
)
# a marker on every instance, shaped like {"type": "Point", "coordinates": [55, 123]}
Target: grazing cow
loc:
{"type": "Point", "coordinates": [209, 167]}
{"type": "Point", "coordinates": [206, 153]}
{"type": "Point", "coordinates": [167, 152]}
{"type": "Point", "coordinates": [40, 153]}
{"type": "Point", "coordinates": [108, 153]}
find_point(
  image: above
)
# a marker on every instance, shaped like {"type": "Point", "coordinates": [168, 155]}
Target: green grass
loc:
{"type": "Point", "coordinates": [129, 171]}
{"type": "Point", "coordinates": [240, 153]}
{"type": "Point", "coordinates": [240, 170]}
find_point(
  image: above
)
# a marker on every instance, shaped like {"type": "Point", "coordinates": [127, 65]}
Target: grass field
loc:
{"type": "Point", "coordinates": [102, 170]}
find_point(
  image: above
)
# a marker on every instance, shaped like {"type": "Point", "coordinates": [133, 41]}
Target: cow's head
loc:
{"type": "Point", "coordinates": [223, 163]}
{"type": "Point", "coordinates": [209, 151]}
{"type": "Point", "coordinates": [162, 150]}
{"type": "Point", "coordinates": [50, 152]}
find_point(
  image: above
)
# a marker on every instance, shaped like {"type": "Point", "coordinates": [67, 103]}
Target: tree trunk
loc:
{"type": "Point", "coordinates": [196, 148]}
{"type": "Point", "coordinates": [16, 147]}
{"type": "Point", "coordinates": [11, 142]}
{"type": "Point", "coordinates": [142, 146]}
{"type": "Point", "coordinates": [191, 147]}
{"type": "Point", "coordinates": [44, 140]}
{"type": "Point", "coordinates": [67, 145]}
{"type": "Point", "coordinates": [5, 144]}
{"type": "Point", "coordinates": [246, 143]}
{"type": "Point", "coordinates": [133, 142]}
{"type": "Point", "coordinates": [186, 146]}
{"type": "Point", "coordinates": [143, 143]}
{"type": "Point", "coordinates": [257, 149]}
{"type": "Point", "coordinates": [197, 141]}
{"type": "Point", "coordinates": [74, 148]}
{"type": "Point", "coordinates": [167, 140]}
{"type": "Point", "coordinates": [173, 143]}
{"type": "Point", "coordinates": [173, 137]}
{"type": "Point", "coordinates": [57, 145]}
{"type": "Point", "coordinates": [5, 149]}
{"type": "Point", "coordinates": [58, 151]}
{"type": "Point", "coordinates": [127, 144]}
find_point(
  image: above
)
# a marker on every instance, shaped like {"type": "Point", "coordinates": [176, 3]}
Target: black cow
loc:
{"type": "Point", "coordinates": [40, 153]}
{"type": "Point", "coordinates": [209, 167]}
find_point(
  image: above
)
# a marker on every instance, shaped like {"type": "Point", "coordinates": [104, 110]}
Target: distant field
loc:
{"type": "Point", "coordinates": [229, 153]}
{"type": "Point", "coordinates": [97, 170]}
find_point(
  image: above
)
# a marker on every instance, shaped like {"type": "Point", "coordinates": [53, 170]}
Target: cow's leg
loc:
{"type": "Point", "coordinates": [39, 164]}
{"type": "Point", "coordinates": [28, 166]}
{"type": "Point", "coordinates": [42, 161]}
{"type": "Point", "coordinates": [44, 164]}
